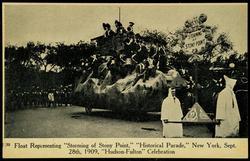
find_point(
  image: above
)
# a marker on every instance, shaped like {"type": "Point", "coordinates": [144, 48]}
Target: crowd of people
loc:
{"type": "Point", "coordinates": [38, 97]}
{"type": "Point", "coordinates": [128, 52]}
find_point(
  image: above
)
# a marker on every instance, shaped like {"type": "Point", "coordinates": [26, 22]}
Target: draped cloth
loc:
{"type": "Point", "coordinates": [227, 111]}
{"type": "Point", "coordinates": [171, 110]}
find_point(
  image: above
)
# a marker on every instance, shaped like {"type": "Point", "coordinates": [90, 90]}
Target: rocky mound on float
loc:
{"type": "Point", "coordinates": [123, 95]}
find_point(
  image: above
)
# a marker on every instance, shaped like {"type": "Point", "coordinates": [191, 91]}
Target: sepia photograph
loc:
{"type": "Point", "coordinates": [81, 70]}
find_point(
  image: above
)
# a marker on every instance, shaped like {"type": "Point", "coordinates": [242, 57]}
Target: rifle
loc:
{"type": "Point", "coordinates": [98, 37]}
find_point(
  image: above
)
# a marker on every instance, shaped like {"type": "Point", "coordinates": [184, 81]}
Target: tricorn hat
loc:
{"type": "Point", "coordinates": [104, 25]}
{"type": "Point", "coordinates": [107, 25]}
{"type": "Point", "coordinates": [118, 23]}
{"type": "Point", "coordinates": [131, 23]}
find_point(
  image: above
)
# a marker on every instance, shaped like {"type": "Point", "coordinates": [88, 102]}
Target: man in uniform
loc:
{"type": "Point", "coordinates": [150, 69]}
{"type": "Point", "coordinates": [108, 32]}
{"type": "Point", "coordinates": [19, 98]}
{"type": "Point", "coordinates": [119, 28]}
{"type": "Point", "coordinates": [130, 32]}
{"type": "Point", "coordinates": [14, 100]}
{"type": "Point", "coordinates": [44, 98]}
{"type": "Point", "coordinates": [22, 100]}
{"type": "Point", "coordinates": [32, 96]}
{"type": "Point", "coordinates": [114, 68]}
{"type": "Point", "coordinates": [60, 96]}
{"type": "Point", "coordinates": [39, 97]}
{"type": "Point", "coordinates": [69, 94]}
{"type": "Point", "coordinates": [10, 100]}
{"type": "Point", "coordinates": [141, 53]}
{"type": "Point", "coordinates": [162, 60]}
{"type": "Point", "coordinates": [140, 72]}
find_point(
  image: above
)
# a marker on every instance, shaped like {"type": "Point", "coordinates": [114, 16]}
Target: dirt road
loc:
{"type": "Point", "coordinates": [73, 122]}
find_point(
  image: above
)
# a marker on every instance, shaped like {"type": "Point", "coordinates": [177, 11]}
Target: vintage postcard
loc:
{"type": "Point", "coordinates": [125, 80]}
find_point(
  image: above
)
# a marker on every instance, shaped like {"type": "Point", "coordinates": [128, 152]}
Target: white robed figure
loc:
{"type": "Point", "coordinates": [227, 111]}
{"type": "Point", "coordinates": [171, 111]}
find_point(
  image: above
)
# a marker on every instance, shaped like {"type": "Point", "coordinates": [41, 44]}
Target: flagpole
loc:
{"type": "Point", "coordinates": [196, 81]}
{"type": "Point", "coordinates": [119, 14]}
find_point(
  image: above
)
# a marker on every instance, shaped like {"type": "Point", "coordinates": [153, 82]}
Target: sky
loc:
{"type": "Point", "coordinates": [70, 23]}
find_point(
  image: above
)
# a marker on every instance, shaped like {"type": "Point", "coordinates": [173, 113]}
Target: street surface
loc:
{"type": "Point", "coordinates": [73, 122]}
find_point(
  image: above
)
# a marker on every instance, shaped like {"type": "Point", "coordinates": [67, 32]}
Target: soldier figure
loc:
{"type": "Point", "coordinates": [130, 32]}
{"type": "Point", "coordinates": [119, 28]}
{"type": "Point", "coordinates": [56, 96]}
{"type": "Point", "coordinates": [44, 98]}
{"type": "Point", "coordinates": [108, 32]}
{"type": "Point", "coordinates": [162, 60]}
{"type": "Point", "coordinates": [140, 71]}
{"type": "Point", "coordinates": [69, 97]}
{"type": "Point", "coordinates": [22, 99]}
{"type": "Point", "coordinates": [150, 69]}
{"type": "Point", "coordinates": [59, 96]}
{"type": "Point", "coordinates": [39, 98]}
{"type": "Point", "coordinates": [141, 54]}
{"type": "Point", "coordinates": [18, 98]}
{"type": "Point", "coordinates": [25, 99]}
{"type": "Point", "coordinates": [65, 96]}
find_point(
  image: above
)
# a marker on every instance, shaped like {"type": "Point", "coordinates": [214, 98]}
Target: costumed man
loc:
{"type": "Point", "coordinates": [171, 111]}
{"type": "Point", "coordinates": [119, 28]}
{"type": "Point", "coordinates": [108, 31]}
{"type": "Point", "coordinates": [140, 70]}
{"type": "Point", "coordinates": [163, 60]}
{"type": "Point", "coordinates": [227, 111]}
{"type": "Point", "coordinates": [130, 32]}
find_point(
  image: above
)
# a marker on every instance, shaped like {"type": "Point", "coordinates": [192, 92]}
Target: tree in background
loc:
{"type": "Point", "coordinates": [38, 64]}
{"type": "Point", "coordinates": [154, 37]}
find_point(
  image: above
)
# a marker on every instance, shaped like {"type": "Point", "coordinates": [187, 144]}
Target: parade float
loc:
{"type": "Point", "coordinates": [195, 41]}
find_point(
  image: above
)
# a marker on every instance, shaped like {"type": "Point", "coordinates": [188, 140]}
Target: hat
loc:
{"type": "Point", "coordinates": [131, 23]}
{"type": "Point", "coordinates": [104, 25]}
{"type": "Point", "coordinates": [107, 25]}
{"type": "Point", "coordinates": [118, 23]}
{"type": "Point", "coordinates": [129, 28]}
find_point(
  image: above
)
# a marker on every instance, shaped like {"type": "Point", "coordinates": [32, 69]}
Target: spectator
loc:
{"type": "Point", "coordinates": [51, 99]}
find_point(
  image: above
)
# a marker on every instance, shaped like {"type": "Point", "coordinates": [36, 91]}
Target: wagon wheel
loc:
{"type": "Point", "coordinates": [88, 110]}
